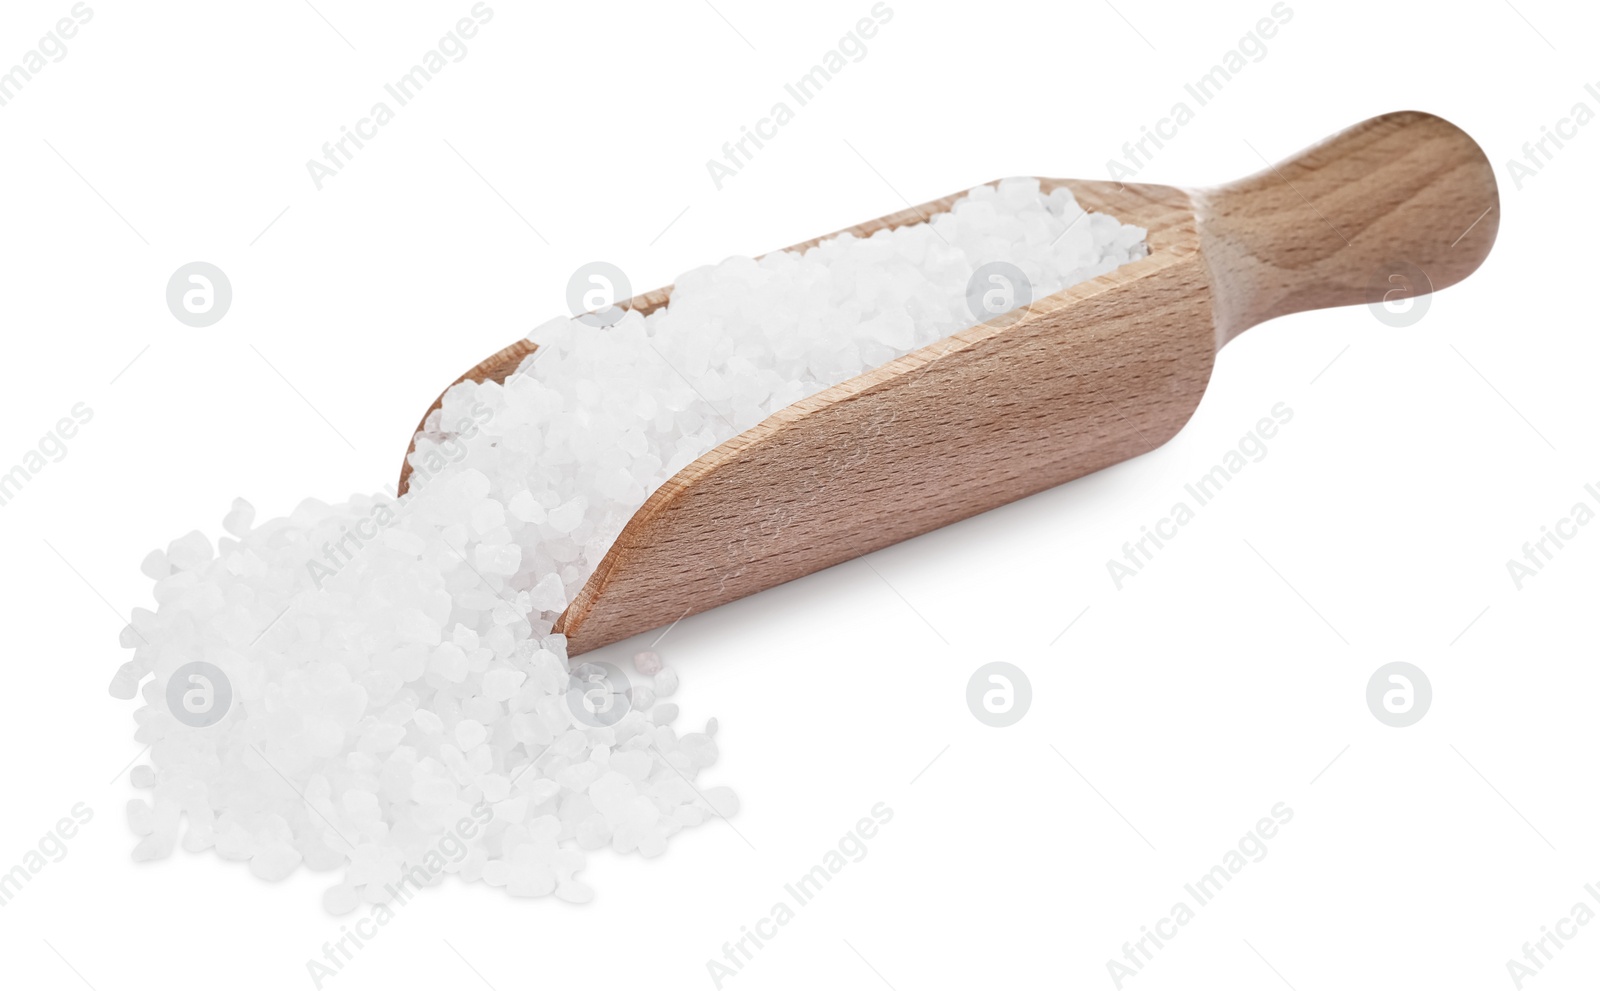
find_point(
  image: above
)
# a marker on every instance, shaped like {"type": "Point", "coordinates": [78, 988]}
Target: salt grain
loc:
{"type": "Point", "coordinates": [470, 733]}
{"type": "Point", "coordinates": [239, 518]}
{"type": "Point", "coordinates": [501, 684]}
{"type": "Point", "coordinates": [155, 566]}
{"type": "Point", "coordinates": [647, 662]}
{"type": "Point", "coordinates": [665, 682]}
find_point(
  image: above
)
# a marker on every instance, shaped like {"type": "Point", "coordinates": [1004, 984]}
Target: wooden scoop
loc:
{"type": "Point", "coordinates": [1100, 372]}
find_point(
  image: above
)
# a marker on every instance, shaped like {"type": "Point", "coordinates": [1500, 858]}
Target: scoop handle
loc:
{"type": "Point", "coordinates": [1401, 204]}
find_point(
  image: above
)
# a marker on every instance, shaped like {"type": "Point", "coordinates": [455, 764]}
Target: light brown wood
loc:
{"type": "Point", "coordinates": [1401, 191]}
{"type": "Point", "coordinates": [1088, 377]}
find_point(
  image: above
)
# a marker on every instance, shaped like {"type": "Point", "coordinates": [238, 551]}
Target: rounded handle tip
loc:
{"type": "Point", "coordinates": [1403, 200]}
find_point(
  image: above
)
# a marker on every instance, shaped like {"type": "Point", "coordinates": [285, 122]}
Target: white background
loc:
{"type": "Point", "coordinates": [1229, 676]}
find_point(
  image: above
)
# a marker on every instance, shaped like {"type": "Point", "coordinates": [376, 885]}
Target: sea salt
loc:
{"type": "Point", "coordinates": [665, 682]}
{"type": "Point", "coordinates": [647, 662]}
{"type": "Point", "coordinates": [398, 705]}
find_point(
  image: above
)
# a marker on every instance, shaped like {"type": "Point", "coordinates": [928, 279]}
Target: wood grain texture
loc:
{"type": "Point", "coordinates": [1324, 228]}
{"type": "Point", "coordinates": [1088, 377]}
